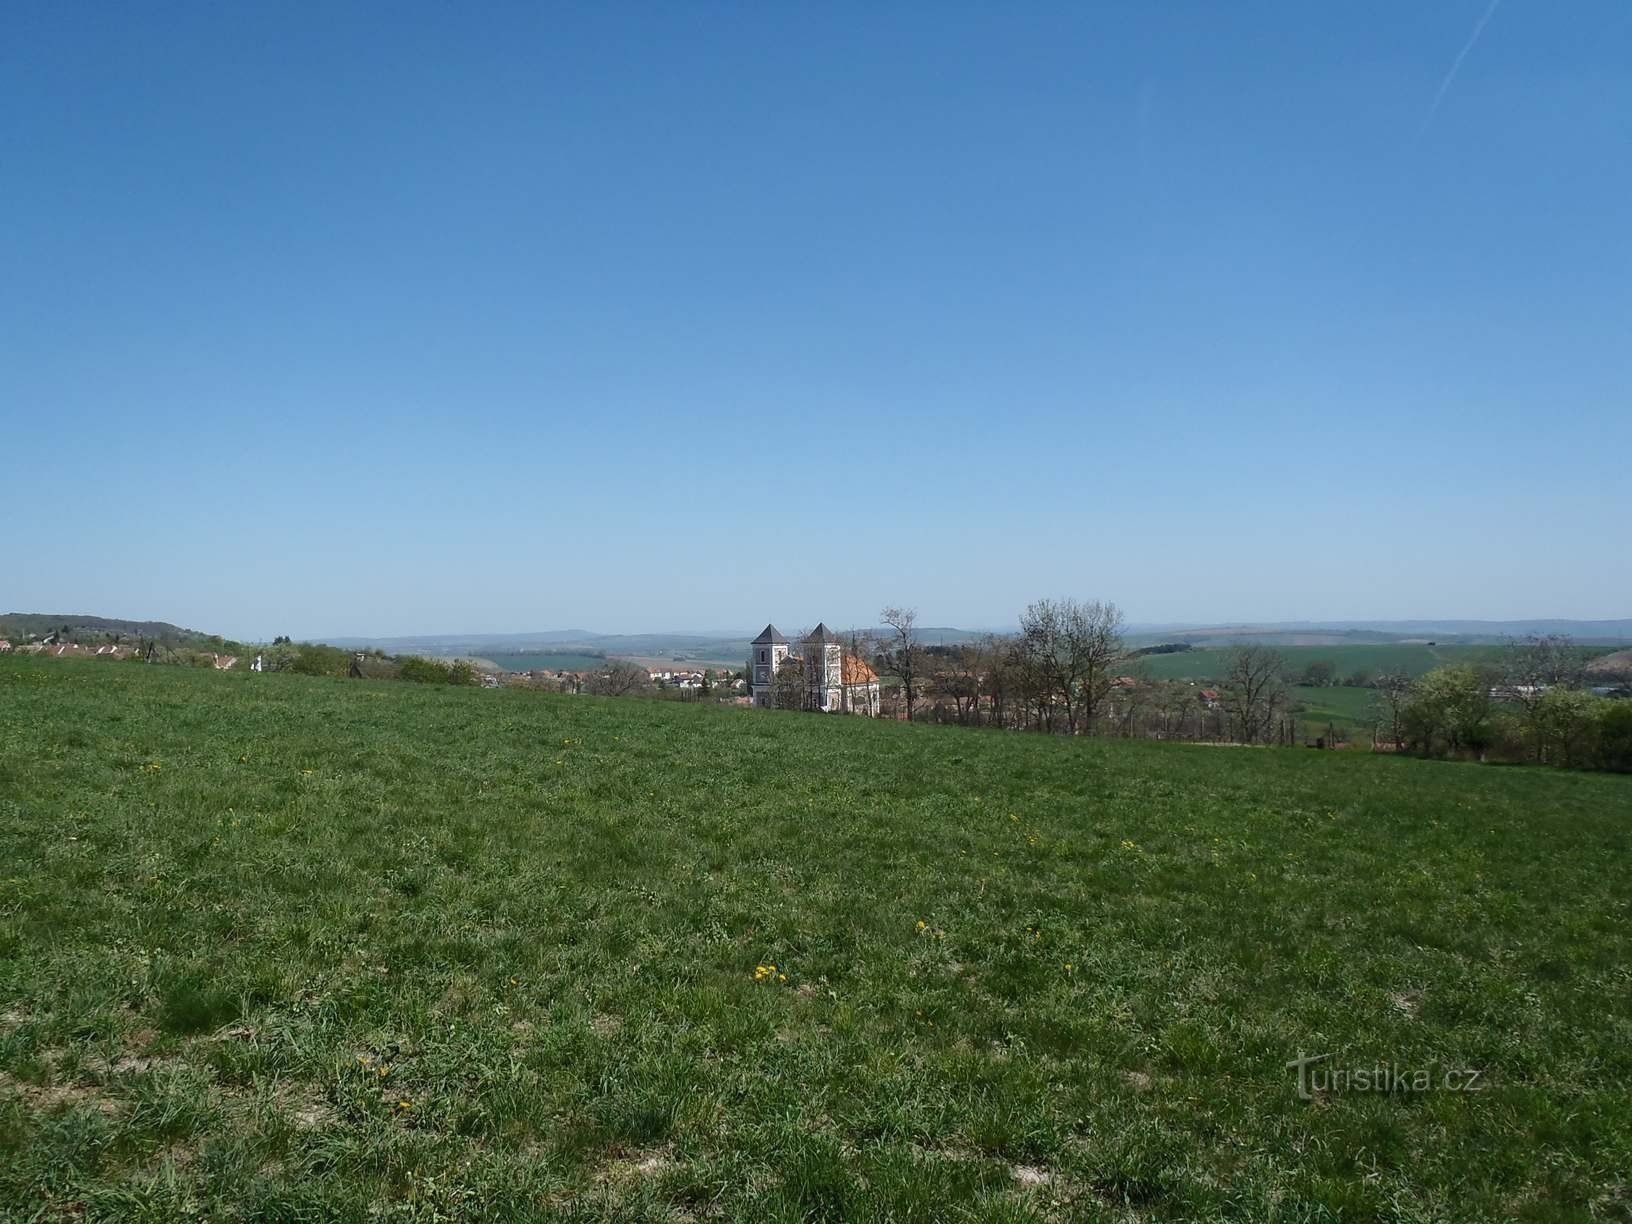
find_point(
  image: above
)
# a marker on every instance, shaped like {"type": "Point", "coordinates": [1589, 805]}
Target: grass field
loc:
{"type": "Point", "coordinates": [1350, 710]}
{"type": "Point", "coordinates": [285, 948]}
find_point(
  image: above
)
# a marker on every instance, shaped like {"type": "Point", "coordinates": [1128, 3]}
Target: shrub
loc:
{"type": "Point", "coordinates": [1569, 724]}
{"type": "Point", "coordinates": [1614, 748]}
{"type": "Point", "coordinates": [320, 660]}
{"type": "Point", "coordinates": [433, 671]}
{"type": "Point", "coordinates": [420, 670]}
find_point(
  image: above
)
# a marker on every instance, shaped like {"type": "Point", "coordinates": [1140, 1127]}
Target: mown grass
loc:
{"type": "Point", "coordinates": [285, 948]}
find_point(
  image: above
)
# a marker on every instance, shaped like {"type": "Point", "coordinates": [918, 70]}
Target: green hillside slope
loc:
{"type": "Point", "coordinates": [22, 624]}
{"type": "Point", "coordinates": [283, 947]}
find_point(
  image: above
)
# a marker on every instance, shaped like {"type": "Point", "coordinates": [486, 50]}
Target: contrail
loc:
{"type": "Point", "coordinates": [1445, 85]}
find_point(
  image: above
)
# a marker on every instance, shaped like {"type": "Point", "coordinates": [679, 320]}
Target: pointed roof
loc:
{"type": "Point", "coordinates": [769, 636]}
{"type": "Point", "coordinates": [822, 635]}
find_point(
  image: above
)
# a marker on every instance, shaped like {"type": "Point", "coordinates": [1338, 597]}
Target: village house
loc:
{"type": "Point", "coordinates": [679, 679]}
{"type": "Point", "coordinates": [836, 681]}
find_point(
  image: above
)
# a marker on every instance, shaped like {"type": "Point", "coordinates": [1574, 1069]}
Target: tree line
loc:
{"type": "Point", "coordinates": [1532, 704]}
{"type": "Point", "coordinates": [1068, 671]}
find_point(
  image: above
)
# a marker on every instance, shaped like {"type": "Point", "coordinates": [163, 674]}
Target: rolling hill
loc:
{"type": "Point", "coordinates": [22, 624]}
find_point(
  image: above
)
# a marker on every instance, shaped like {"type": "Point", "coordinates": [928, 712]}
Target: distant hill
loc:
{"type": "Point", "coordinates": [454, 643]}
{"type": "Point", "coordinates": [724, 646]}
{"type": "Point", "coordinates": [727, 645]}
{"type": "Point", "coordinates": [1614, 666]}
{"type": "Point", "coordinates": [1336, 633]}
{"type": "Point", "coordinates": [39, 624]}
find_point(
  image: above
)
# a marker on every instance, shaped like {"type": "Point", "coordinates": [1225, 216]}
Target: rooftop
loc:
{"type": "Point", "coordinates": [856, 671]}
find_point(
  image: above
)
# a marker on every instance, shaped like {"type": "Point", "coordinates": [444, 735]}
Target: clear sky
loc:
{"type": "Point", "coordinates": [395, 318]}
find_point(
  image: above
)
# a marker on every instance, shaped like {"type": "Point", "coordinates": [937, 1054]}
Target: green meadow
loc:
{"type": "Point", "coordinates": [286, 948]}
{"type": "Point", "coordinates": [1350, 710]}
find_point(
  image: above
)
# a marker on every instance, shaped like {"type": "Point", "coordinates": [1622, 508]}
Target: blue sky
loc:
{"type": "Point", "coordinates": [347, 319]}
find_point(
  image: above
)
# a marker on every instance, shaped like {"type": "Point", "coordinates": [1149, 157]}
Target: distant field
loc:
{"type": "Point", "coordinates": [1348, 709]}
{"type": "Point", "coordinates": [547, 661]}
{"type": "Point", "coordinates": [287, 948]}
{"type": "Point", "coordinates": [690, 662]}
{"type": "Point", "coordinates": [1414, 659]}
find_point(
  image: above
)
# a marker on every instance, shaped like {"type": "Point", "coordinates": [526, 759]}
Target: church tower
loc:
{"type": "Point", "coordinates": [765, 656]}
{"type": "Point", "coordinates": [824, 668]}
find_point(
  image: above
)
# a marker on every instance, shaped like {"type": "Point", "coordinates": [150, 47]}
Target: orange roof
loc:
{"type": "Point", "coordinates": [857, 672]}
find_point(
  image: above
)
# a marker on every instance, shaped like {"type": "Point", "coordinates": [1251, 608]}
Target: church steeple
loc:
{"type": "Point", "coordinates": [765, 655]}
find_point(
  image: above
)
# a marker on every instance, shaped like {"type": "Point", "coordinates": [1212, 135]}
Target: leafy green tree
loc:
{"type": "Point", "coordinates": [1448, 712]}
{"type": "Point", "coordinates": [418, 670]}
{"type": "Point", "coordinates": [1567, 722]}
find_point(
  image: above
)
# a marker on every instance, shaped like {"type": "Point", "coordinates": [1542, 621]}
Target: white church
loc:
{"type": "Point", "coordinates": [836, 681]}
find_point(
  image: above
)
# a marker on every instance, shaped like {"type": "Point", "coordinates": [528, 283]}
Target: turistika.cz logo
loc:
{"type": "Point", "coordinates": [1316, 1077]}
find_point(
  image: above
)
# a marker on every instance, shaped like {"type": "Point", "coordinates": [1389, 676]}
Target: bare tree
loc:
{"type": "Point", "coordinates": [1095, 633]}
{"type": "Point", "coordinates": [619, 678]}
{"type": "Point", "coordinates": [1177, 707]}
{"type": "Point", "coordinates": [1071, 650]}
{"type": "Point", "coordinates": [1039, 655]}
{"type": "Point", "coordinates": [788, 691]}
{"type": "Point", "coordinates": [1130, 701]}
{"type": "Point", "coordinates": [999, 677]}
{"type": "Point", "coordinates": [863, 644]}
{"type": "Point", "coordinates": [1390, 693]}
{"type": "Point", "coordinates": [957, 673]}
{"type": "Point", "coordinates": [902, 657]}
{"type": "Point", "coordinates": [1254, 691]}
